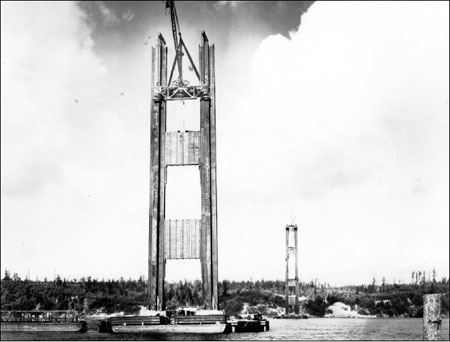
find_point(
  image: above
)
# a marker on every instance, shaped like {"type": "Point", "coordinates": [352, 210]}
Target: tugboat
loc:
{"type": "Point", "coordinates": [249, 323]}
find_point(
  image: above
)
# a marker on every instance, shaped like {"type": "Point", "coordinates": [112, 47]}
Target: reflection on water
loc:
{"type": "Point", "coordinates": [302, 329]}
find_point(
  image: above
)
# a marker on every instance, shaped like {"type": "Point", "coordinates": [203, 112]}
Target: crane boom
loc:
{"type": "Point", "coordinates": [175, 23]}
{"type": "Point", "coordinates": [179, 45]}
{"type": "Point", "coordinates": [176, 39]}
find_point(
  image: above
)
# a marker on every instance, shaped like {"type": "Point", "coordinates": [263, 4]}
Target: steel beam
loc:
{"type": "Point", "coordinates": [213, 160]}
{"type": "Point", "coordinates": [157, 177]}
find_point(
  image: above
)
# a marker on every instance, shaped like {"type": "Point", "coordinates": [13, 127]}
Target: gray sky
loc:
{"type": "Point", "coordinates": [341, 125]}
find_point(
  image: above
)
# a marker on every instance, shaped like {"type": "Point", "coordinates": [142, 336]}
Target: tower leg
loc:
{"type": "Point", "coordinates": [214, 244]}
{"type": "Point", "coordinates": [156, 257]}
{"type": "Point", "coordinates": [205, 174]}
{"type": "Point", "coordinates": [287, 274]}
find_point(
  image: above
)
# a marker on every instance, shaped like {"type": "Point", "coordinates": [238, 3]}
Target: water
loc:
{"type": "Point", "coordinates": [302, 329]}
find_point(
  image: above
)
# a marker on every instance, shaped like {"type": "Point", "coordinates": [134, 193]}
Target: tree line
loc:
{"type": "Point", "coordinates": [91, 295]}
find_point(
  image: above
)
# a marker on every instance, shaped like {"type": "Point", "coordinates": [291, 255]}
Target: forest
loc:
{"type": "Point", "coordinates": [89, 295]}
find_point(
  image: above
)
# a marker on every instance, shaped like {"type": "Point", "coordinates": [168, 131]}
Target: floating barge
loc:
{"type": "Point", "coordinates": [42, 320]}
{"type": "Point", "coordinates": [183, 321]}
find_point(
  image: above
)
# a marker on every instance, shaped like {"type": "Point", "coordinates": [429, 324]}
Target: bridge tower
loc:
{"type": "Point", "coordinates": [186, 238]}
{"type": "Point", "coordinates": [291, 287]}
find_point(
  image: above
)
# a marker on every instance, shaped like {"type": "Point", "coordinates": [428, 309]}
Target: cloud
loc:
{"type": "Point", "coordinates": [343, 125]}
{"type": "Point", "coordinates": [99, 13]}
{"type": "Point", "coordinates": [67, 137]}
{"type": "Point", "coordinates": [231, 4]}
{"type": "Point", "coordinates": [109, 16]}
{"type": "Point", "coordinates": [373, 100]}
{"type": "Point", "coordinates": [40, 84]}
{"type": "Point", "coordinates": [128, 16]}
{"type": "Point", "coordinates": [337, 124]}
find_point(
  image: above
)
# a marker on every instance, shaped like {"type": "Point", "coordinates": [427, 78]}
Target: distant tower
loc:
{"type": "Point", "coordinates": [291, 266]}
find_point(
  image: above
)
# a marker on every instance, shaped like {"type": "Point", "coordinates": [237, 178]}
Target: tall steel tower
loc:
{"type": "Point", "coordinates": [186, 238]}
{"type": "Point", "coordinates": [291, 286]}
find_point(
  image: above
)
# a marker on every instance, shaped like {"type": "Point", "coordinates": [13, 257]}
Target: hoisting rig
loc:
{"type": "Point", "coordinates": [181, 88]}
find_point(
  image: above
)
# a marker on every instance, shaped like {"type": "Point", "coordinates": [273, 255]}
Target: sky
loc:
{"type": "Point", "coordinates": [336, 120]}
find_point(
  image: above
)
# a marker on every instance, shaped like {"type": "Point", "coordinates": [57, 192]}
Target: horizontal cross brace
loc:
{"type": "Point", "coordinates": [180, 93]}
{"type": "Point", "coordinates": [182, 239]}
{"type": "Point", "coordinates": [183, 148]}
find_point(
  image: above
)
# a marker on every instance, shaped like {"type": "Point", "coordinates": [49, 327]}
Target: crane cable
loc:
{"type": "Point", "coordinates": [176, 38]}
{"type": "Point", "coordinates": [179, 44]}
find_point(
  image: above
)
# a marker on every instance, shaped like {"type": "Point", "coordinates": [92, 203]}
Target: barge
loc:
{"type": "Point", "coordinates": [180, 321]}
{"type": "Point", "coordinates": [41, 320]}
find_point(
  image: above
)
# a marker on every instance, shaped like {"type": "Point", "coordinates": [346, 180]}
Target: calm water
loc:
{"type": "Point", "coordinates": [304, 329]}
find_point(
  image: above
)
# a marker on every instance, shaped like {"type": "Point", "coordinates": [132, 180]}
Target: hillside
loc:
{"type": "Point", "coordinates": [267, 297]}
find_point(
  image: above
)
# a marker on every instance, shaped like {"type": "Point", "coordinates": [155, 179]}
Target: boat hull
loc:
{"type": "Point", "coordinates": [201, 324]}
{"type": "Point", "coordinates": [40, 326]}
{"type": "Point", "coordinates": [172, 328]}
{"type": "Point", "coordinates": [246, 325]}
